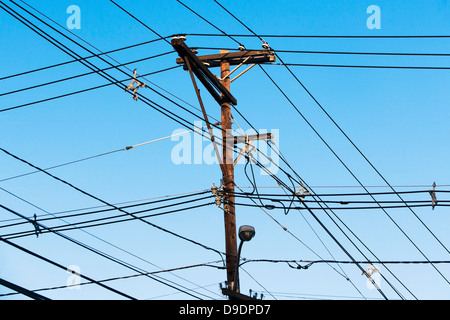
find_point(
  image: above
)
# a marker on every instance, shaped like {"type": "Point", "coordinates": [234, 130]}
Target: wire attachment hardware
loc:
{"type": "Point", "coordinates": [135, 88]}
{"type": "Point", "coordinates": [37, 229]}
{"type": "Point", "coordinates": [302, 192]}
{"type": "Point", "coordinates": [266, 46]}
{"type": "Point", "coordinates": [218, 192]}
{"type": "Point", "coordinates": [433, 196]}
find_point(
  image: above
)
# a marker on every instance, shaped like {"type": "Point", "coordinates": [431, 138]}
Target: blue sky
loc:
{"type": "Point", "coordinates": [397, 117]}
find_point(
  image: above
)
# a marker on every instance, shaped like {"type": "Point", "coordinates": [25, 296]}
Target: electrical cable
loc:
{"type": "Point", "coordinates": [54, 217]}
{"type": "Point", "coordinates": [111, 205]}
{"type": "Point", "coordinates": [156, 278]}
{"type": "Point", "coordinates": [424, 54]}
{"type": "Point", "coordinates": [80, 91]}
{"type": "Point", "coordinates": [207, 264]}
{"type": "Point", "coordinates": [355, 66]}
{"type": "Point", "coordinates": [333, 237]}
{"type": "Point", "coordinates": [215, 27]}
{"type": "Point", "coordinates": [83, 74]}
{"type": "Point", "coordinates": [322, 36]}
{"type": "Point", "coordinates": [77, 60]}
{"type": "Point", "coordinates": [64, 48]}
{"type": "Point", "coordinates": [37, 223]}
{"type": "Point", "coordinates": [96, 222]}
{"type": "Point", "coordinates": [64, 268]}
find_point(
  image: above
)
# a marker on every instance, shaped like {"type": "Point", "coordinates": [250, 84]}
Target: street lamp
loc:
{"type": "Point", "coordinates": [246, 233]}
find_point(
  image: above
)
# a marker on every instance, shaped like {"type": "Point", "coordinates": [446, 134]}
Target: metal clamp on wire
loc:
{"type": "Point", "coordinates": [302, 192]}
{"type": "Point", "coordinates": [433, 196]}
{"type": "Point", "coordinates": [37, 229]}
{"type": "Point", "coordinates": [135, 88]}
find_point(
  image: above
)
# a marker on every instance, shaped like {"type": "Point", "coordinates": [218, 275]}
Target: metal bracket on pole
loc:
{"type": "Point", "coordinates": [240, 74]}
{"type": "Point", "coordinates": [248, 139]}
{"type": "Point", "coordinates": [206, 77]}
{"type": "Point", "coordinates": [232, 71]}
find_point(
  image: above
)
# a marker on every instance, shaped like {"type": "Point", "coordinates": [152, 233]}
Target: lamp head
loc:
{"type": "Point", "coordinates": [246, 233]}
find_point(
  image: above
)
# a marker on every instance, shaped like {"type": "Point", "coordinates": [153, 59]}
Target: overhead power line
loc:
{"type": "Point", "coordinates": [321, 36]}
{"type": "Point", "coordinates": [353, 144]}
{"type": "Point", "coordinates": [358, 53]}
{"type": "Point", "coordinates": [83, 74]}
{"type": "Point", "coordinates": [356, 66]}
{"type": "Point", "coordinates": [81, 91]}
{"type": "Point", "coordinates": [64, 268]}
{"type": "Point", "coordinates": [78, 60]}
{"type": "Point", "coordinates": [306, 264]}
{"type": "Point", "coordinates": [323, 226]}
{"type": "Point", "coordinates": [108, 204]}
{"type": "Point", "coordinates": [256, 35]}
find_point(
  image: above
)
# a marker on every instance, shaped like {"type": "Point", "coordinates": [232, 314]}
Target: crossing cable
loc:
{"type": "Point", "coordinates": [102, 53]}
{"type": "Point", "coordinates": [215, 27]}
{"type": "Point", "coordinates": [70, 52]}
{"type": "Point", "coordinates": [300, 179]}
{"type": "Point", "coordinates": [327, 114]}
{"type": "Point", "coordinates": [35, 28]}
{"type": "Point", "coordinates": [20, 290]}
{"type": "Point", "coordinates": [347, 137]}
{"type": "Point", "coordinates": [367, 160]}
{"type": "Point", "coordinates": [299, 240]}
{"type": "Point", "coordinates": [330, 234]}
{"type": "Point", "coordinates": [65, 49]}
{"type": "Point", "coordinates": [77, 60]}
{"type": "Point", "coordinates": [314, 195]}
{"type": "Point", "coordinates": [118, 261]}
{"type": "Point", "coordinates": [117, 82]}
{"type": "Point", "coordinates": [321, 207]}
{"type": "Point", "coordinates": [98, 155]}
{"type": "Point", "coordinates": [89, 65]}
{"type": "Point", "coordinates": [348, 169]}
{"type": "Point", "coordinates": [355, 66]}
{"type": "Point", "coordinates": [7, 11]}
{"type": "Point", "coordinates": [157, 34]}
{"type": "Point", "coordinates": [125, 264]}
{"type": "Point", "coordinates": [343, 274]}
{"type": "Point", "coordinates": [83, 74]}
{"type": "Point", "coordinates": [333, 213]}
{"type": "Point", "coordinates": [273, 175]}
{"type": "Point", "coordinates": [207, 264]}
{"type": "Point", "coordinates": [283, 227]}
{"type": "Point", "coordinates": [354, 194]}
{"type": "Point", "coordinates": [73, 55]}
{"type": "Point", "coordinates": [96, 222]}
{"type": "Point", "coordinates": [322, 36]}
{"type": "Point", "coordinates": [336, 241]}
{"type": "Point", "coordinates": [71, 215]}
{"type": "Point", "coordinates": [64, 268]}
{"type": "Point", "coordinates": [147, 101]}
{"type": "Point", "coordinates": [46, 229]}
{"type": "Point", "coordinates": [108, 204]}
{"type": "Point", "coordinates": [309, 263]}
{"type": "Point", "coordinates": [424, 54]}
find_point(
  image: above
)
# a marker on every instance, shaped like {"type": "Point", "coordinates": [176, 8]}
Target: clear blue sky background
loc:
{"type": "Point", "coordinates": [398, 118]}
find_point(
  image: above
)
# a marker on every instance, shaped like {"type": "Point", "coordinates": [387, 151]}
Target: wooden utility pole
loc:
{"type": "Point", "coordinates": [228, 177]}
{"type": "Point", "coordinates": [219, 88]}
